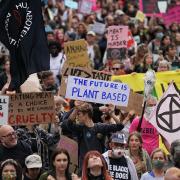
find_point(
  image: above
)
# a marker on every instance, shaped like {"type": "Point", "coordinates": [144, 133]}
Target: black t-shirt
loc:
{"type": "Point", "coordinates": [118, 169]}
{"type": "Point", "coordinates": [18, 152]}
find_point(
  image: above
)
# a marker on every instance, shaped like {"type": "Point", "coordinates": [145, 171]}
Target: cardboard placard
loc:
{"type": "Point", "coordinates": [72, 147]}
{"type": "Point", "coordinates": [76, 53]}
{"type": "Point", "coordinates": [117, 41]}
{"type": "Point", "coordinates": [140, 16]}
{"type": "Point", "coordinates": [31, 108]}
{"type": "Point", "coordinates": [98, 91]}
{"type": "Point", "coordinates": [4, 101]}
{"type": "Point", "coordinates": [135, 103]}
{"type": "Point", "coordinates": [81, 72]}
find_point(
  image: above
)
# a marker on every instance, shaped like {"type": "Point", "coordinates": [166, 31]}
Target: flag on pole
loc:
{"type": "Point", "coordinates": [166, 115]}
{"type": "Point", "coordinates": [22, 32]}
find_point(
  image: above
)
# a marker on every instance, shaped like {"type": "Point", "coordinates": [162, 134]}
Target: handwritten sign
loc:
{"type": "Point", "coordinates": [98, 91]}
{"type": "Point", "coordinates": [71, 4]}
{"type": "Point", "coordinates": [76, 53]}
{"type": "Point", "coordinates": [117, 41]}
{"type": "Point", "coordinates": [72, 148]}
{"type": "Point", "coordinates": [85, 6]}
{"type": "Point", "coordinates": [31, 108]}
{"type": "Point", "coordinates": [140, 16]}
{"type": "Point", "coordinates": [4, 101]}
{"type": "Point", "coordinates": [81, 72]}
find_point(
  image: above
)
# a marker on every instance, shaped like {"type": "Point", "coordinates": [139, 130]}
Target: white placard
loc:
{"type": "Point", "coordinates": [4, 103]}
{"type": "Point", "coordinates": [98, 91]}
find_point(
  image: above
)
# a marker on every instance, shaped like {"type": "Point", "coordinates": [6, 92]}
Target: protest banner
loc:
{"type": "Point", "coordinates": [99, 28]}
{"type": "Point", "coordinates": [4, 103]}
{"type": "Point", "coordinates": [136, 81]}
{"type": "Point", "coordinates": [76, 53]}
{"type": "Point", "coordinates": [85, 6]}
{"type": "Point", "coordinates": [98, 91]}
{"type": "Point", "coordinates": [31, 108]}
{"type": "Point", "coordinates": [117, 41]}
{"type": "Point", "coordinates": [152, 7]}
{"type": "Point", "coordinates": [81, 72]}
{"type": "Point", "coordinates": [72, 147]}
{"type": "Point", "coordinates": [71, 4]}
{"type": "Point", "coordinates": [166, 115]}
{"type": "Point", "coordinates": [173, 15]}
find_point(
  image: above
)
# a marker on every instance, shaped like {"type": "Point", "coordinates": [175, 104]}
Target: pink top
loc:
{"type": "Point", "coordinates": [149, 134]}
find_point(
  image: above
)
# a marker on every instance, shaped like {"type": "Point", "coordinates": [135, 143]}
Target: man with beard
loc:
{"type": "Point", "coordinates": [57, 59]}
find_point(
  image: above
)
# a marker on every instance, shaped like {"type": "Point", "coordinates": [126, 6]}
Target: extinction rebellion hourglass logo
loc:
{"type": "Point", "coordinates": [18, 23]}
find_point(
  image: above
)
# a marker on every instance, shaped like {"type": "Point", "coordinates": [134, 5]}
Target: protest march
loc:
{"type": "Point", "coordinates": [89, 90]}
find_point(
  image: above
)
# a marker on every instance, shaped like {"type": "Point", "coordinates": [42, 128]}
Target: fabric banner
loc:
{"type": "Point", "coordinates": [22, 32]}
{"type": "Point", "coordinates": [166, 115]}
{"type": "Point", "coordinates": [136, 81]}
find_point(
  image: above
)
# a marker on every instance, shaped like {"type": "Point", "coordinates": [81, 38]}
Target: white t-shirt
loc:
{"type": "Point", "coordinates": [56, 64]}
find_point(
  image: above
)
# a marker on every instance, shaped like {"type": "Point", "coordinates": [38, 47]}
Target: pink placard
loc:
{"type": "Point", "coordinates": [117, 37]}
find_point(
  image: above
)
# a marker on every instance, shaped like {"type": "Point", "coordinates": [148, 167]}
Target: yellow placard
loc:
{"type": "Point", "coordinates": [136, 81]}
{"type": "Point", "coordinates": [76, 53]}
{"type": "Point", "coordinates": [140, 16]}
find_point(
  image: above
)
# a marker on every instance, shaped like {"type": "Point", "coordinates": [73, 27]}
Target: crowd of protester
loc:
{"type": "Point", "coordinates": [109, 144]}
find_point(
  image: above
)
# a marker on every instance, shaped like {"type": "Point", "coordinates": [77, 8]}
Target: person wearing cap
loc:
{"type": "Point", "coordinates": [33, 167]}
{"type": "Point", "coordinates": [93, 49]}
{"type": "Point", "coordinates": [119, 164]}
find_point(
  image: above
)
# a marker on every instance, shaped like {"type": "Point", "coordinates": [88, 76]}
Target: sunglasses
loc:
{"type": "Point", "coordinates": [115, 69]}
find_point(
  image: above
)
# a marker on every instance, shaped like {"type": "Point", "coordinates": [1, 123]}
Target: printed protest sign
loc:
{"type": "Point", "coordinates": [4, 102]}
{"type": "Point", "coordinates": [71, 4]}
{"type": "Point", "coordinates": [99, 28]}
{"type": "Point", "coordinates": [81, 72]}
{"type": "Point", "coordinates": [31, 108]}
{"type": "Point", "coordinates": [72, 148]}
{"type": "Point", "coordinates": [76, 53]}
{"type": "Point", "coordinates": [166, 116]}
{"type": "Point", "coordinates": [85, 6]}
{"type": "Point", "coordinates": [117, 41]}
{"type": "Point", "coordinates": [98, 91]}
{"type": "Point", "coordinates": [152, 7]}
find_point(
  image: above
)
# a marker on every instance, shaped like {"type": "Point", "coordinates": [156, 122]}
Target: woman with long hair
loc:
{"type": "Point", "coordinates": [10, 170]}
{"type": "Point", "coordinates": [139, 156]}
{"type": "Point", "coordinates": [94, 167]}
{"type": "Point", "coordinates": [60, 166]}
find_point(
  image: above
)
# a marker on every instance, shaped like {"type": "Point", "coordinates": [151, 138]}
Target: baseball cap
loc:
{"type": "Point", "coordinates": [118, 138]}
{"type": "Point", "coordinates": [119, 12]}
{"type": "Point", "coordinates": [33, 161]}
{"type": "Point", "coordinates": [91, 33]}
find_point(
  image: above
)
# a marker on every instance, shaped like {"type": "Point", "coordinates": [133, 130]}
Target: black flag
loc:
{"type": "Point", "coordinates": [22, 32]}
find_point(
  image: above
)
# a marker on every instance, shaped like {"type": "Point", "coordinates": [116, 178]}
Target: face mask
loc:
{"type": "Point", "coordinates": [8, 176]}
{"type": "Point", "coordinates": [148, 111]}
{"type": "Point", "coordinates": [158, 164]}
{"type": "Point", "coordinates": [117, 152]}
{"type": "Point", "coordinates": [176, 156]}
